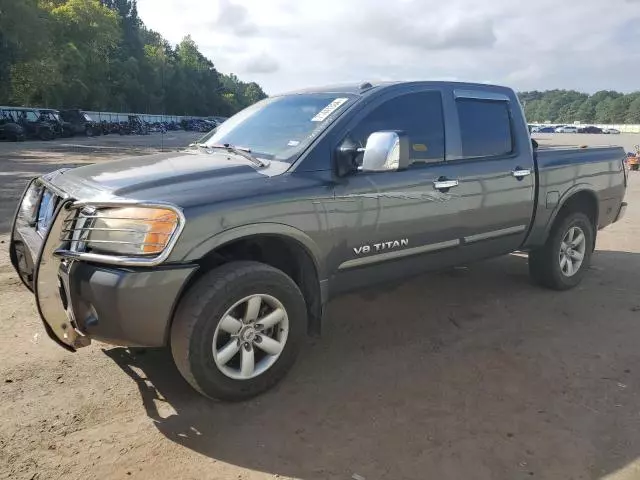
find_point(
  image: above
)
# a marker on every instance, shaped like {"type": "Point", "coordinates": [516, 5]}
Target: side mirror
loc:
{"type": "Point", "coordinates": [534, 144]}
{"type": "Point", "coordinates": [346, 156]}
{"type": "Point", "coordinates": [386, 151]}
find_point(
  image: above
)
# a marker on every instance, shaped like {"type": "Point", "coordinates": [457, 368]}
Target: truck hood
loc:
{"type": "Point", "coordinates": [160, 176]}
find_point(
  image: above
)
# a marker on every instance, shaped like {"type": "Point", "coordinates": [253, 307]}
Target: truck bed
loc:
{"type": "Point", "coordinates": [570, 169]}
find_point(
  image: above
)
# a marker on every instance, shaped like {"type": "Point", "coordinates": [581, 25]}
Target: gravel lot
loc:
{"type": "Point", "coordinates": [472, 373]}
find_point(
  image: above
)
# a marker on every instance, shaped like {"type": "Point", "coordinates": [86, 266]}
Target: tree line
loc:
{"type": "Point", "coordinates": [568, 106]}
{"type": "Point", "coordinates": [98, 55]}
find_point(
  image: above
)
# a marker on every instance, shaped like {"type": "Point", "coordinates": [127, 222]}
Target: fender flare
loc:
{"type": "Point", "coordinates": [276, 229]}
{"type": "Point", "coordinates": [581, 187]}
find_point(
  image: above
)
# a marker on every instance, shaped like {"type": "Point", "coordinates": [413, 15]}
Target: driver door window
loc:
{"type": "Point", "coordinates": [419, 115]}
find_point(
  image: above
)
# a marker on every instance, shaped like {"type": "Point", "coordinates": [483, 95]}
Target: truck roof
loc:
{"type": "Point", "coordinates": [363, 88]}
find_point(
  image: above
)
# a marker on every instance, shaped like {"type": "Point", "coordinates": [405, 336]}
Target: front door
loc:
{"type": "Point", "coordinates": [397, 223]}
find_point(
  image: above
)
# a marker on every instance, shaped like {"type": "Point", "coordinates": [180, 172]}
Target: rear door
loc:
{"type": "Point", "coordinates": [495, 172]}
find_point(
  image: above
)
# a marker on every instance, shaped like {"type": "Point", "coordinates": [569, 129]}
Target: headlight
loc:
{"type": "Point", "coordinates": [127, 230]}
{"type": "Point", "coordinates": [30, 201]}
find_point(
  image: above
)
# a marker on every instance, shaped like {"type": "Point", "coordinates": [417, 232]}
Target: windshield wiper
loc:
{"type": "Point", "coordinates": [242, 151]}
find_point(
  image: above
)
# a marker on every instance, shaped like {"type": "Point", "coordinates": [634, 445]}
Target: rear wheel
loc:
{"type": "Point", "coordinates": [46, 134]}
{"type": "Point", "coordinates": [564, 259]}
{"type": "Point", "coordinates": [237, 332]}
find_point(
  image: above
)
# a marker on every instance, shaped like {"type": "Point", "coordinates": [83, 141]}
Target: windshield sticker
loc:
{"type": "Point", "coordinates": [329, 109]}
{"type": "Point", "coordinates": [293, 143]}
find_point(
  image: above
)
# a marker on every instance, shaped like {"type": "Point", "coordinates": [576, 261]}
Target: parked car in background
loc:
{"type": "Point", "coordinates": [589, 129]}
{"type": "Point", "coordinates": [136, 126]}
{"type": "Point", "coordinates": [611, 131]}
{"type": "Point", "coordinates": [29, 120]}
{"type": "Point", "coordinates": [546, 130]}
{"type": "Point", "coordinates": [229, 252]}
{"type": "Point", "coordinates": [81, 123]}
{"type": "Point", "coordinates": [9, 129]}
{"type": "Point", "coordinates": [566, 129]}
{"type": "Point", "coordinates": [218, 119]}
{"type": "Point", "coordinates": [62, 128]}
{"type": "Point", "coordinates": [198, 125]}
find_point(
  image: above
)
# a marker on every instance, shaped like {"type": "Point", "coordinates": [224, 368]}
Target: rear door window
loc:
{"type": "Point", "coordinates": [485, 127]}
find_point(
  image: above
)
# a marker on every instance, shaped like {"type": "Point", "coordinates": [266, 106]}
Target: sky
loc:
{"type": "Point", "coordinates": [587, 45]}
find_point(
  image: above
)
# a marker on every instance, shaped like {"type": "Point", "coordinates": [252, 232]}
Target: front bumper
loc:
{"type": "Point", "coordinates": [79, 301]}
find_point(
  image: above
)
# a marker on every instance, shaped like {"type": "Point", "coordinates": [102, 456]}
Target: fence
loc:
{"type": "Point", "coordinates": [123, 117]}
{"type": "Point", "coordinates": [623, 128]}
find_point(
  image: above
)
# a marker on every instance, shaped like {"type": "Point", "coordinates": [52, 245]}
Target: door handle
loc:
{"type": "Point", "coordinates": [444, 184]}
{"type": "Point", "coordinates": [520, 173]}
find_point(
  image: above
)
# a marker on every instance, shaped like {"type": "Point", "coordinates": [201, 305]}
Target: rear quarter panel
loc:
{"type": "Point", "coordinates": [565, 172]}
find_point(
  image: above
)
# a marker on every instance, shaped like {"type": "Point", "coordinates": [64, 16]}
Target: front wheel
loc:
{"type": "Point", "coordinates": [237, 331]}
{"type": "Point", "coordinates": [564, 259]}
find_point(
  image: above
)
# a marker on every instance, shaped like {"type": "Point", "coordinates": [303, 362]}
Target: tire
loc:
{"type": "Point", "coordinates": [198, 322]}
{"type": "Point", "coordinates": [546, 266]}
{"type": "Point", "coordinates": [46, 134]}
{"type": "Point", "coordinates": [88, 132]}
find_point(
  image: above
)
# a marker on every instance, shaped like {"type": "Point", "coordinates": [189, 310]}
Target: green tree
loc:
{"type": "Point", "coordinates": [23, 35]}
{"type": "Point", "coordinates": [587, 112]}
{"type": "Point", "coordinates": [633, 113]}
{"type": "Point", "coordinates": [604, 110]}
{"type": "Point", "coordinates": [97, 54]}
{"type": "Point", "coordinates": [619, 108]}
{"type": "Point", "coordinates": [73, 67]}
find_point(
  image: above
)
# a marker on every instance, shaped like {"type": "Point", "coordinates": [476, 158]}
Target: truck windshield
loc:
{"type": "Point", "coordinates": [280, 127]}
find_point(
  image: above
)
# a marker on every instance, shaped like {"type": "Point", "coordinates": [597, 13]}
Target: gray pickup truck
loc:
{"type": "Point", "coordinates": [228, 251]}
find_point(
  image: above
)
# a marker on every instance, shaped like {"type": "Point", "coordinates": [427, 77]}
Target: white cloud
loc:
{"type": "Point", "coordinates": [232, 17]}
{"type": "Point", "coordinates": [288, 44]}
{"type": "Point", "coordinates": [261, 63]}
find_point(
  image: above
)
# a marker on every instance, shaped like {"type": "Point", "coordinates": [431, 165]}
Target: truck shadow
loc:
{"type": "Point", "coordinates": [469, 373]}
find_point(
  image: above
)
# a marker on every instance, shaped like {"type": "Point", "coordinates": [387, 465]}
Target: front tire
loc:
{"type": "Point", "coordinates": [238, 330]}
{"type": "Point", "coordinates": [564, 259]}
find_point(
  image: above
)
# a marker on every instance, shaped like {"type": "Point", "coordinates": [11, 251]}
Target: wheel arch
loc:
{"type": "Point", "coordinates": [281, 246]}
{"type": "Point", "coordinates": [579, 198]}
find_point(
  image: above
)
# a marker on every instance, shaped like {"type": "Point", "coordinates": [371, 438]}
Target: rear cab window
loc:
{"type": "Point", "coordinates": [485, 127]}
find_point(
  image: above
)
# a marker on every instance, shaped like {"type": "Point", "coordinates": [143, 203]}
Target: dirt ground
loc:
{"type": "Point", "coordinates": [472, 373]}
